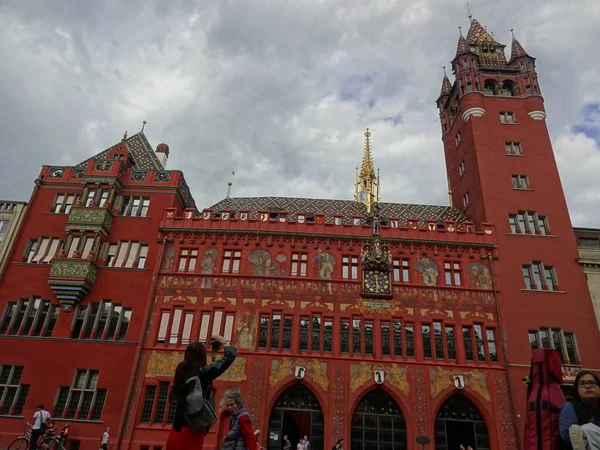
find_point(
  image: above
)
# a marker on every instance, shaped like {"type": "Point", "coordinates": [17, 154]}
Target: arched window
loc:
{"type": "Point", "coordinates": [490, 87]}
{"type": "Point", "coordinates": [509, 89]}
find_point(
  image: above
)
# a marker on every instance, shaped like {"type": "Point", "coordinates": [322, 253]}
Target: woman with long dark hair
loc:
{"type": "Point", "coordinates": [194, 363]}
{"type": "Point", "coordinates": [580, 418]}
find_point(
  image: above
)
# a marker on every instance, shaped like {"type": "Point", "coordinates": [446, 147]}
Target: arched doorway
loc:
{"type": "Point", "coordinates": [296, 413]}
{"type": "Point", "coordinates": [459, 422]}
{"type": "Point", "coordinates": [378, 423]}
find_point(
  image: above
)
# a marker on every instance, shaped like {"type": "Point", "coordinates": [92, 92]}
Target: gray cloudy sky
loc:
{"type": "Point", "coordinates": [280, 91]}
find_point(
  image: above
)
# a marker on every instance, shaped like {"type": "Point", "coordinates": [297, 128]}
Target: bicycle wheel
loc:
{"type": "Point", "coordinates": [50, 443]}
{"type": "Point", "coordinates": [19, 444]}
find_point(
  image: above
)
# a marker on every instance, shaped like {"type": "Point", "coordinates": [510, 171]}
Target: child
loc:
{"type": "Point", "coordinates": [64, 434]}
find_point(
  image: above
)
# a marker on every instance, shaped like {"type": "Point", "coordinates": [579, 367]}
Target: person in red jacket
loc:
{"type": "Point", "coordinates": [241, 435]}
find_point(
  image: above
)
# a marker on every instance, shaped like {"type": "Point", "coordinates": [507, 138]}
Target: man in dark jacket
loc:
{"type": "Point", "coordinates": [240, 435]}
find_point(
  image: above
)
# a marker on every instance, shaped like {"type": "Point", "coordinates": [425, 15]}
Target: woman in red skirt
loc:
{"type": "Point", "coordinates": [181, 437]}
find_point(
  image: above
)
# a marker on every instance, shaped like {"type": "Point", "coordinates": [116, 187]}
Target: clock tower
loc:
{"type": "Point", "coordinates": [501, 170]}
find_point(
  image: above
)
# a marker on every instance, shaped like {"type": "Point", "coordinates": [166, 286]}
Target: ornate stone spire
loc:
{"type": "Point", "coordinates": [517, 49]}
{"type": "Point", "coordinates": [366, 186]}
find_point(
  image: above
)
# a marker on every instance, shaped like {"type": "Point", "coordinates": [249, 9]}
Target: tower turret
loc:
{"type": "Point", "coordinates": [366, 186]}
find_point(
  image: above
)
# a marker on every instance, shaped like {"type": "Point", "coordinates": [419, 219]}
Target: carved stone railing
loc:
{"type": "Point", "coordinates": [72, 279]}
{"type": "Point", "coordinates": [333, 289]}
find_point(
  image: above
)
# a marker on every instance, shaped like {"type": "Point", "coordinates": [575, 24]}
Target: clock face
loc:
{"type": "Point", "coordinates": [377, 282]}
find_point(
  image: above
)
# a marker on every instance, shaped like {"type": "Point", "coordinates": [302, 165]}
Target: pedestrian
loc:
{"type": "Point", "coordinates": [300, 445]}
{"type": "Point", "coordinates": [181, 437]}
{"type": "Point", "coordinates": [580, 418]}
{"type": "Point", "coordinates": [287, 445]}
{"type": "Point", "coordinates": [240, 435]}
{"type": "Point", "coordinates": [305, 443]}
{"type": "Point", "coordinates": [339, 445]}
{"type": "Point", "coordinates": [104, 439]}
{"type": "Point", "coordinates": [64, 434]}
{"type": "Point", "coordinates": [41, 417]}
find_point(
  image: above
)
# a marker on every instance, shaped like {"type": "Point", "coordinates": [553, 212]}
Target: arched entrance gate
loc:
{"type": "Point", "coordinates": [296, 413]}
{"type": "Point", "coordinates": [378, 423]}
{"type": "Point", "coordinates": [459, 422]}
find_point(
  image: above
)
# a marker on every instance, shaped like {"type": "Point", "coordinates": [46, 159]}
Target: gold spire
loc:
{"type": "Point", "coordinates": [366, 186]}
{"type": "Point", "coordinates": [144, 125]}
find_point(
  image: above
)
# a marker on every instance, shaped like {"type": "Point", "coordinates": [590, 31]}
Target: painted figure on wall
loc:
{"type": "Point", "coordinates": [325, 263]}
{"type": "Point", "coordinates": [479, 275]}
{"type": "Point", "coordinates": [263, 265]}
{"type": "Point", "coordinates": [246, 327]}
{"type": "Point", "coordinates": [207, 265]}
{"type": "Point", "coordinates": [167, 265]}
{"type": "Point", "coordinates": [428, 270]}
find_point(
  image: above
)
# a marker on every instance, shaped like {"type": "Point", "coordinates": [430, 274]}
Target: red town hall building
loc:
{"type": "Point", "coordinates": [383, 324]}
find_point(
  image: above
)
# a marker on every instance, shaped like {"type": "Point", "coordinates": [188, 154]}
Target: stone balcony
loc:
{"type": "Point", "coordinates": [72, 279]}
{"type": "Point", "coordinates": [90, 219]}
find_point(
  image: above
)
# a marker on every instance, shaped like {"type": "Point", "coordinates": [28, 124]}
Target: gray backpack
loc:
{"type": "Point", "coordinates": [199, 413]}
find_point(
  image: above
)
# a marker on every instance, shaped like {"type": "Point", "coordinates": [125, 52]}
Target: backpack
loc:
{"type": "Point", "coordinates": [199, 413]}
{"type": "Point", "coordinates": [544, 399]}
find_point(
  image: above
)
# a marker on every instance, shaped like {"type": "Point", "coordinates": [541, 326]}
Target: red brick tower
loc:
{"type": "Point", "coordinates": [502, 170]}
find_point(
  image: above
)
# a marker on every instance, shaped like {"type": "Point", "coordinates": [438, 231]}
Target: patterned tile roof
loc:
{"type": "Point", "coordinates": [347, 208]}
{"type": "Point", "coordinates": [446, 86]}
{"type": "Point", "coordinates": [477, 34]}
{"type": "Point", "coordinates": [517, 50]}
{"type": "Point", "coordinates": [140, 150]}
{"type": "Point", "coordinates": [462, 47]}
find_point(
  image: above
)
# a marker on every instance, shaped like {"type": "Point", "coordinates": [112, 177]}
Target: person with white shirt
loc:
{"type": "Point", "coordinates": [40, 418]}
{"type": "Point", "coordinates": [104, 439]}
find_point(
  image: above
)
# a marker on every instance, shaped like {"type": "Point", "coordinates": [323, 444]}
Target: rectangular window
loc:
{"type": "Point", "coordinates": [468, 342]}
{"type": "Point", "coordinates": [128, 254]}
{"type": "Point", "coordinates": [386, 347]}
{"type": "Point", "coordinates": [513, 148]}
{"type": "Point", "coordinates": [457, 138]}
{"type": "Point", "coordinates": [450, 342]}
{"type": "Point", "coordinates": [217, 322]}
{"type": "Point", "coordinates": [491, 345]}
{"type": "Point", "coordinates": [344, 336]}
{"type": "Point", "coordinates": [134, 206]}
{"type": "Point", "coordinates": [101, 321]}
{"type": "Point", "coordinates": [32, 317]}
{"type": "Point", "coordinates": [452, 273]}
{"type": "Point", "coordinates": [564, 343]}
{"type": "Point", "coordinates": [42, 250]}
{"type": "Point", "coordinates": [479, 347]}
{"type": "Point", "coordinates": [304, 333]}
{"type": "Point", "coordinates": [83, 400]}
{"type": "Point", "coordinates": [438, 339]}
{"type": "Point", "coordinates": [397, 335]}
{"type": "Point", "coordinates": [520, 182]}
{"type": "Point", "coordinates": [156, 409]}
{"type": "Point", "coordinates": [63, 203]}
{"type": "Point", "coordinates": [539, 277]}
{"type": "Point", "coordinates": [401, 270]}
{"type": "Point", "coordinates": [356, 336]}
{"type": "Point", "coordinates": [507, 117]}
{"type": "Point", "coordinates": [299, 263]}
{"type": "Point", "coordinates": [350, 267]}
{"type": "Point", "coordinates": [461, 168]}
{"type": "Point", "coordinates": [13, 394]}
{"type": "Point", "coordinates": [275, 332]}
{"type": "Point", "coordinates": [410, 340]}
{"type": "Point", "coordinates": [512, 222]}
{"type": "Point", "coordinates": [187, 260]}
{"type": "Point", "coordinates": [426, 333]}
{"type": "Point", "coordinates": [588, 242]}
{"type": "Point", "coordinates": [466, 199]}
{"type": "Point", "coordinates": [231, 261]}
{"type": "Point", "coordinates": [529, 222]}
{"type": "Point", "coordinates": [315, 336]}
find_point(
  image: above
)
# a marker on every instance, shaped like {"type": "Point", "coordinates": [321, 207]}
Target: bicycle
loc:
{"type": "Point", "coordinates": [48, 443]}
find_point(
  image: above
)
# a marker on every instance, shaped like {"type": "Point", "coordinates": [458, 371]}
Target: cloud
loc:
{"type": "Point", "coordinates": [279, 91]}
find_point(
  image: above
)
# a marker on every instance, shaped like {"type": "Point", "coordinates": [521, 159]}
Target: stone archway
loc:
{"type": "Point", "coordinates": [297, 412]}
{"type": "Point", "coordinates": [378, 423]}
{"type": "Point", "coordinates": [459, 422]}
